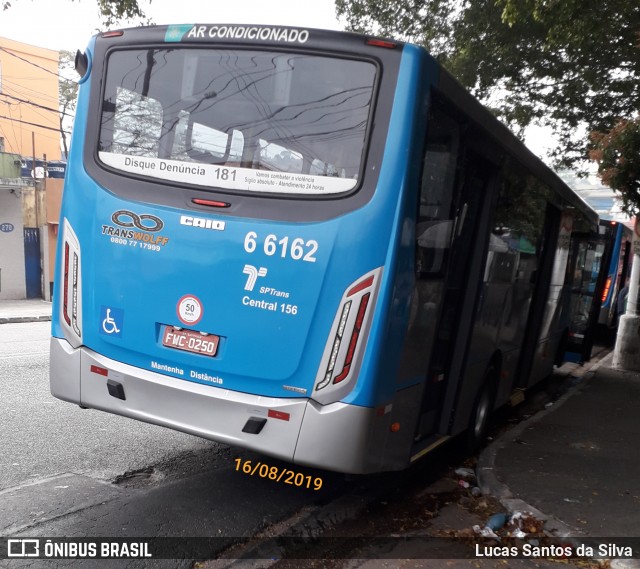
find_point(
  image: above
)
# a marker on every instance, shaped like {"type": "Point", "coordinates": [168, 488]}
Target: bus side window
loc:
{"type": "Point", "coordinates": [435, 216]}
{"type": "Point", "coordinates": [518, 228]}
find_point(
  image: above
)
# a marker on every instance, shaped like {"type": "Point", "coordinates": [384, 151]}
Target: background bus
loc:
{"type": "Point", "coordinates": [618, 270]}
{"type": "Point", "coordinates": [312, 244]}
{"type": "Point", "coordinates": [599, 265]}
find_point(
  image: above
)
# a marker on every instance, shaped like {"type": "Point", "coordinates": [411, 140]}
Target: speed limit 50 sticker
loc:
{"type": "Point", "coordinates": [189, 309]}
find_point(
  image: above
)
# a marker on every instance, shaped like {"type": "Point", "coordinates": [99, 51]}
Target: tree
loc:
{"type": "Point", "coordinates": [112, 11]}
{"type": "Point", "coordinates": [571, 65]}
{"type": "Point", "coordinates": [617, 153]}
{"type": "Point", "coordinates": [67, 91]}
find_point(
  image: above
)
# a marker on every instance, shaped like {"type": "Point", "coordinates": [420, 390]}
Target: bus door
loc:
{"type": "Point", "coordinates": [535, 292]}
{"type": "Point", "coordinates": [453, 217]}
{"type": "Point", "coordinates": [590, 257]}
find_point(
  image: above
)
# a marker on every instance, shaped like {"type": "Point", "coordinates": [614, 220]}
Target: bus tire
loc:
{"type": "Point", "coordinates": [481, 413]}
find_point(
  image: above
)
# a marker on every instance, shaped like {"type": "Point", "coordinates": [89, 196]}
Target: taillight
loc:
{"type": "Point", "coordinates": [607, 287]}
{"type": "Point", "coordinates": [66, 314]}
{"type": "Point", "coordinates": [345, 347]}
{"type": "Point", "coordinates": [71, 293]}
{"type": "Point", "coordinates": [112, 34]}
{"type": "Point", "coordinates": [382, 43]}
{"type": "Point", "coordinates": [355, 335]}
{"type": "Point", "coordinates": [210, 203]}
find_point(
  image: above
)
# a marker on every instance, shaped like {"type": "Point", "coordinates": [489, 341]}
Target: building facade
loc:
{"type": "Point", "coordinates": [29, 114]}
{"type": "Point", "coordinates": [29, 127]}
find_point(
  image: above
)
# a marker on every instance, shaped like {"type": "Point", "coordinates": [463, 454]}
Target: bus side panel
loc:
{"type": "Point", "coordinates": [405, 409]}
{"type": "Point", "coordinates": [515, 332]}
{"type": "Point", "coordinates": [75, 157]}
{"type": "Point", "coordinates": [398, 181]}
{"type": "Point", "coordinates": [371, 444]}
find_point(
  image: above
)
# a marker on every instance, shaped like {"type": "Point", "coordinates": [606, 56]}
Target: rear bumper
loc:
{"type": "Point", "coordinates": [334, 437]}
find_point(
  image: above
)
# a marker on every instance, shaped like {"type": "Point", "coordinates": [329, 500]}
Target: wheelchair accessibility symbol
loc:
{"type": "Point", "coordinates": [111, 321]}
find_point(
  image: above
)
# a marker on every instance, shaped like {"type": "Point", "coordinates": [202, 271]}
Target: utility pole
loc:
{"type": "Point", "coordinates": [33, 169]}
{"type": "Point", "coordinates": [626, 354]}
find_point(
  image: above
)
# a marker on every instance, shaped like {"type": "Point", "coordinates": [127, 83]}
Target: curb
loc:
{"type": "Point", "coordinates": [307, 523]}
{"type": "Point", "coordinates": [489, 482]}
{"type": "Point", "coordinates": [22, 319]}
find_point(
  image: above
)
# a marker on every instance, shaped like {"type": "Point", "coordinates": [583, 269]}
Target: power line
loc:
{"type": "Point", "coordinates": [57, 111]}
{"type": "Point", "coordinates": [34, 124]}
{"type": "Point", "coordinates": [34, 64]}
{"type": "Point", "coordinates": [25, 91]}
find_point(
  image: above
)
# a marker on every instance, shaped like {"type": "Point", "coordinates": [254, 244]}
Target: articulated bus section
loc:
{"type": "Point", "coordinates": [323, 250]}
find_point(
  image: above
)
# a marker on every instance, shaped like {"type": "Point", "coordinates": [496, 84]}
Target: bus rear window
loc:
{"type": "Point", "coordinates": [239, 120]}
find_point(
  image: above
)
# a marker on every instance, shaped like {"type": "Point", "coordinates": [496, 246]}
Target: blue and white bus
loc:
{"type": "Point", "coordinates": [312, 244]}
{"type": "Point", "coordinates": [618, 270]}
{"type": "Point", "coordinates": [600, 263]}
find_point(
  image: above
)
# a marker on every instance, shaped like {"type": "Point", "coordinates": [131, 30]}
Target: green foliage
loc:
{"type": "Point", "coordinates": [567, 64]}
{"type": "Point", "coordinates": [67, 92]}
{"type": "Point", "coordinates": [617, 153]}
{"type": "Point", "coordinates": [112, 11]}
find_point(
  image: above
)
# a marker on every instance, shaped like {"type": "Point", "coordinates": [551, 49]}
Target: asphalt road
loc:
{"type": "Point", "coordinates": [43, 436]}
{"type": "Point", "coordinates": [69, 472]}
{"type": "Point", "coordinates": [75, 473]}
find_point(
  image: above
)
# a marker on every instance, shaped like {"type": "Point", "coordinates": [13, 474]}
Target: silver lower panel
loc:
{"type": "Point", "coordinates": [338, 436]}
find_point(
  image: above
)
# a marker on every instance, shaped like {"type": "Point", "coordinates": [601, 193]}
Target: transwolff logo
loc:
{"type": "Point", "coordinates": [136, 228]}
{"type": "Point", "coordinates": [145, 222]}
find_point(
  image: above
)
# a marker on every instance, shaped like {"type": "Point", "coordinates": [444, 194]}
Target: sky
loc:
{"type": "Point", "coordinates": [66, 24]}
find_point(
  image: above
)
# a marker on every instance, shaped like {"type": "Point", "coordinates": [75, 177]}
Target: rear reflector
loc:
{"type": "Point", "coordinates": [607, 287]}
{"type": "Point", "coordinates": [100, 370]}
{"type": "Point", "coordinates": [273, 414]}
{"type": "Point", "coordinates": [366, 283]}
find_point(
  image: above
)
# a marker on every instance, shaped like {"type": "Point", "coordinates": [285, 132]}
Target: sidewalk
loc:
{"type": "Point", "coordinates": [33, 310]}
{"type": "Point", "coordinates": [574, 467]}
{"type": "Point", "coordinates": [578, 461]}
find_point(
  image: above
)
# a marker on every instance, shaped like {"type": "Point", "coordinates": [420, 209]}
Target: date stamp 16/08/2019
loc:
{"type": "Point", "coordinates": [284, 475]}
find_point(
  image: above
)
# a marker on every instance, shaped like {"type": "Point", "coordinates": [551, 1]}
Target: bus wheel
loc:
{"type": "Point", "coordinates": [482, 408]}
